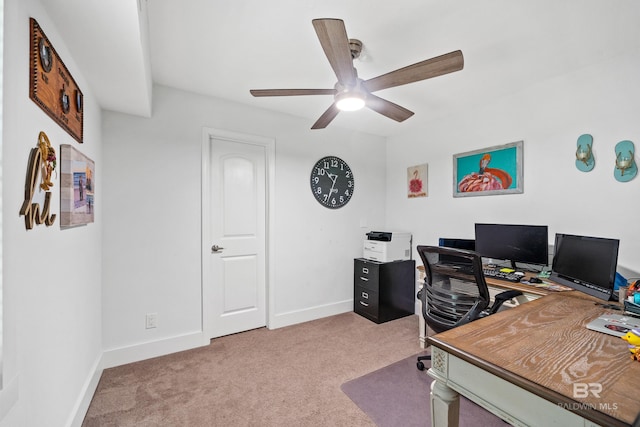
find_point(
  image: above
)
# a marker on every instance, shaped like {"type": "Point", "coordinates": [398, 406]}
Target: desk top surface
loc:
{"type": "Point", "coordinates": [539, 290]}
{"type": "Point", "coordinates": [544, 347]}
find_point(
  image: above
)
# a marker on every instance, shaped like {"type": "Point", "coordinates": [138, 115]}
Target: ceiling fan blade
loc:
{"type": "Point", "coordinates": [335, 42]}
{"type": "Point", "coordinates": [444, 64]}
{"type": "Point", "coordinates": [291, 92]}
{"type": "Point", "coordinates": [326, 117]}
{"type": "Point", "coordinates": [388, 108]}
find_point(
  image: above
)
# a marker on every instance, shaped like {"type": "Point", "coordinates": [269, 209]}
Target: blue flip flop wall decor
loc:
{"type": "Point", "coordinates": [626, 168]}
{"type": "Point", "coordinates": [584, 154]}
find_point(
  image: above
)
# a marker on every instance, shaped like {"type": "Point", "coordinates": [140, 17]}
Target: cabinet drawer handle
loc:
{"type": "Point", "coordinates": [365, 295]}
{"type": "Point", "coordinates": [364, 303]}
{"type": "Point", "coordinates": [365, 270]}
{"type": "Point", "coordinates": [364, 278]}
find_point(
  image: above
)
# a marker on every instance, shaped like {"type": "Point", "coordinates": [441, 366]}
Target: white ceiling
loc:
{"type": "Point", "coordinates": [223, 48]}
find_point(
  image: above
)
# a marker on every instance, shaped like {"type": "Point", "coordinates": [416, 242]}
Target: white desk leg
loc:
{"type": "Point", "coordinates": [522, 299]}
{"type": "Point", "coordinates": [445, 405]}
{"type": "Point", "coordinates": [422, 325]}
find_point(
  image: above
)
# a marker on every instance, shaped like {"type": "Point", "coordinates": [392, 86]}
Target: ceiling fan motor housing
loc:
{"type": "Point", "coordinates": [355, 46]}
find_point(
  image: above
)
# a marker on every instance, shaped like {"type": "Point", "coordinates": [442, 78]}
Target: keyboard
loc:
{"type": "Point", "coordinates": [511, 277]}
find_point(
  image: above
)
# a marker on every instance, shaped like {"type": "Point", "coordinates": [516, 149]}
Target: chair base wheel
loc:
{"type": "Point", "coordinates": [420, 366]}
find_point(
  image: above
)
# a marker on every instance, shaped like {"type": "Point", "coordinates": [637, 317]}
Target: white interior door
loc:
{"type": "Point", "coordinates": [237, 242]}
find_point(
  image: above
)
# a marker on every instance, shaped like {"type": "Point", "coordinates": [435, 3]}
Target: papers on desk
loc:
{"type": "Point", "coordinates": [614, 324]}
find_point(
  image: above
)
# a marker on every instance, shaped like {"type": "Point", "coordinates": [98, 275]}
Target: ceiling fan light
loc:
{"type": "Point", "coordinates": [349, 101]}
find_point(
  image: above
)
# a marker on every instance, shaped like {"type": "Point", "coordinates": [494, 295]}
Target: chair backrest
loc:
{"type": "Point", "coordinates": [455, 291]}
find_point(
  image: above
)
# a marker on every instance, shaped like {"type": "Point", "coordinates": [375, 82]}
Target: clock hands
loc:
{"type": "Point", "coordinates": [333, 177]}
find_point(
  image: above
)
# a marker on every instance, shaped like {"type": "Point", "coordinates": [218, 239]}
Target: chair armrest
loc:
{"type": "Point", "coordinates": [501, 298]}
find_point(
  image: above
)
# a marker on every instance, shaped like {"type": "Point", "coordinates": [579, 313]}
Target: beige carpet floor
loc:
{"type": "Point", "coordinates": [284, 377]}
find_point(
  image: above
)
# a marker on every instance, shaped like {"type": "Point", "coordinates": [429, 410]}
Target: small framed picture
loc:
{"type": "Point", "coordinates": [417, 181]}
{"type": "Point", "coordinates": [77, 187]}
{"type": "Point", "coordinates": [489, 171]}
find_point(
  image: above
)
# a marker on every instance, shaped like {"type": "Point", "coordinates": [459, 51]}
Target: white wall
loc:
{"type": "Point", "coordinates": [52, 278]}
{"type": "Point", "coordinates": [602, 100]}
{"type": "Point", "coordinates": [152, 240]}
{"type": "Point", "coordinates": [70, 295]}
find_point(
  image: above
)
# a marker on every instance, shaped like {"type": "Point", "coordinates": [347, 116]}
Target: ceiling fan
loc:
{"type": "Point", "coordinates": [351, 92]}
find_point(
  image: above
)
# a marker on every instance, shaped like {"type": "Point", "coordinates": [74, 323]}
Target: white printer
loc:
{"type": "Point", "coordinates": [386, 246]}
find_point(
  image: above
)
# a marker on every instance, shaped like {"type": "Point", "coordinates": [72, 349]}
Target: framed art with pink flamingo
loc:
{"type": "Point", "coordinates": [417, 181]}
{"type": "Point", "coordinates": [489, 171]}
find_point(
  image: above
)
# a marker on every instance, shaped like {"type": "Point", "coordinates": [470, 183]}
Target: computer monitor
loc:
{"type": "Point", "coordinates": [528, 244]}
{"type": "Point", "coordinates": [585, 263]}
{"type": "Point", "coordinates": [468, 244]}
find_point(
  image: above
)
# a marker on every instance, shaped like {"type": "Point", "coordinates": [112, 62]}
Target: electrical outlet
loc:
{"type": "Point", "coordinates": [152, 320]}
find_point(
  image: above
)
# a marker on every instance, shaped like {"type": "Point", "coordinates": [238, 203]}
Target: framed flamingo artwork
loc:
{"type": "Point", "coordinates": [489, 171]}
{"type": "Point", "coordinates": [417, 181]}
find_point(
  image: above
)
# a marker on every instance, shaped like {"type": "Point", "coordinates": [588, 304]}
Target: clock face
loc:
{"type": "Point", "coordinates": [332, 182]}
{"type": "Point", "coordinates": [45, 55]}
{"type": "Point", "coordinates": [64, 100]}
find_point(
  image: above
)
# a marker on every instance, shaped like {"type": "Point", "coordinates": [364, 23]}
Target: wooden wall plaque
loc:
{"type": "Point", "coordinates": [51, 85]}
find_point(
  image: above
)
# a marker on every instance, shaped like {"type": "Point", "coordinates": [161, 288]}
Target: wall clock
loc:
{"type": "Point", "coordinates": [332, 182]}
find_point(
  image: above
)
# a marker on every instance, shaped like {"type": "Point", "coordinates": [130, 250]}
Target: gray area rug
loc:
{"type": "Point", "coordinates": [398, 395]}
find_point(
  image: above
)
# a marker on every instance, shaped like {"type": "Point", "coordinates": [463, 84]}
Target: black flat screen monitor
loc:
{"type": "Point", "coordinates": [587, 264]}
{"type": "Point", "coordinates": [467, 244]}
{"type": "Point", "coordinates": [528, 244]}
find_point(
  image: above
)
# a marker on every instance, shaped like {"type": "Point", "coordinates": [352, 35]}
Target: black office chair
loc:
{"type": "Point", "coordinates": [455, 291]}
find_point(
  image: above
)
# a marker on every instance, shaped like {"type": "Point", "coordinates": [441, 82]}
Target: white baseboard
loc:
{"type": "Point", "coordinates": [313, 313]}
{"type": "Point", "coordinates": [88, 390]}
{"type": "Point", "coordinates": [138, 352]}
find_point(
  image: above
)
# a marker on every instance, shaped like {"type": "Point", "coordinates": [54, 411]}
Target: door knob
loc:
{"type": "Point", "coordinates": [216, 248]}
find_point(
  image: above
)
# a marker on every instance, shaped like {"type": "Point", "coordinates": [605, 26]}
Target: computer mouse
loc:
{"type": "Point", "coordinates": [534, 280]}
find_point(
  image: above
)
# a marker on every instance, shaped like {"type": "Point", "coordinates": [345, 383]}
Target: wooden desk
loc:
{"type": "Point", "coordinates": [536, 365]}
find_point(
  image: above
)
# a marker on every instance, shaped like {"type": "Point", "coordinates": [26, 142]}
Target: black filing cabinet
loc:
{"type": "Point", "coordinates": [383, 291]}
